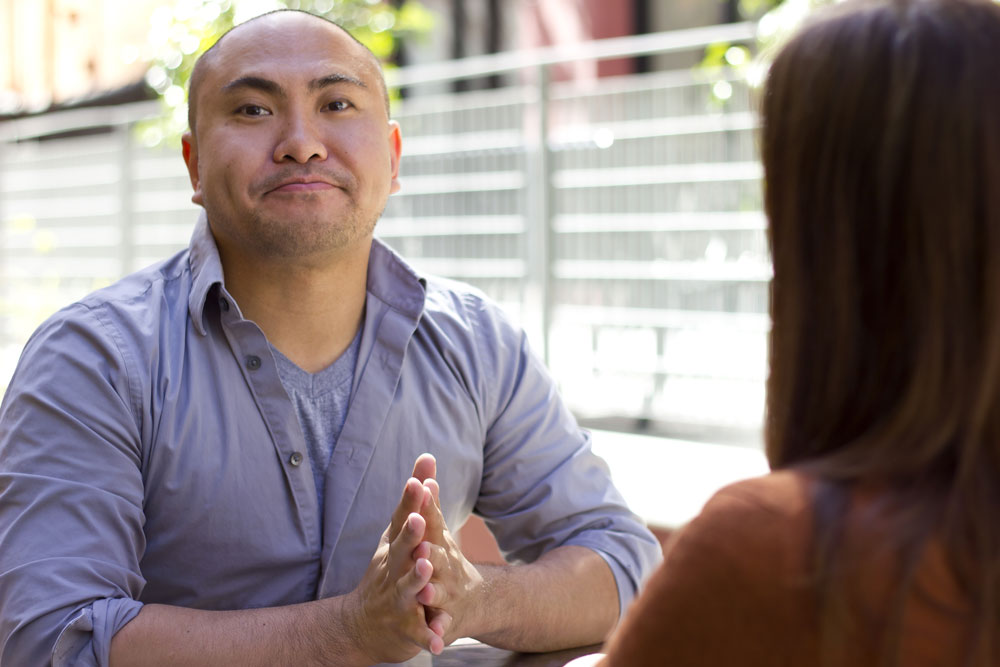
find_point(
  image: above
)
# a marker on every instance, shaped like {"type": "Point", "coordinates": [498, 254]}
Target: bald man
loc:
{"type": "Point", "coordinates": [254, 452]}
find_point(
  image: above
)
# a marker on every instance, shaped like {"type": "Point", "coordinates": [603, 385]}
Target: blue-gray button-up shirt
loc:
{"type": "Point", "coordinates": [149, 453]}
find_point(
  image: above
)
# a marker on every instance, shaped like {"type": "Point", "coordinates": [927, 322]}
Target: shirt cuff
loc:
{"type": "Point", "coordinates": [86, 640]}
{"type": "Point", "coordinates": [628, 580]}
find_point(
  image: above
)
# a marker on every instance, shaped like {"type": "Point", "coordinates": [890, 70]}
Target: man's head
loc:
{"type": "Point", "coordinates": [291, 150]}
{"type": "Point", "coordinates": [197, 74]}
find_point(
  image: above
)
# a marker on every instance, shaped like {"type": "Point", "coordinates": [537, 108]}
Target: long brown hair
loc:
{"type": "Point", "coordinates": [881, 151]}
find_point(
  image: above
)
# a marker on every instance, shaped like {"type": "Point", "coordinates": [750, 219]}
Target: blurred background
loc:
{"type": "Point", "coordinates": [591, 165]}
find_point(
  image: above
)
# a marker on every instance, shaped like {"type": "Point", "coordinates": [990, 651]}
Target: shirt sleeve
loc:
{"type": "Point", "coordinates": [542, 485]}
{"type": "Point", "coordinates": [71, 496]}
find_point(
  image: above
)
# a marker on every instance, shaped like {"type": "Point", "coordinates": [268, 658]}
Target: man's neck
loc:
{"type": "Point", "coordinates": [309, 311]}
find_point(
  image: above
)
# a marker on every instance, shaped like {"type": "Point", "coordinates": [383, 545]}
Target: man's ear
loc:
{"type": "Point", "coordinates": [189, 148]}
{"type": "Point", "coordinates": [395, 152]}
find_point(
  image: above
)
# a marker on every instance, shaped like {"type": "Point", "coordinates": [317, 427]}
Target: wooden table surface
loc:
{"type": "Point", "coordinates": [465, 653]}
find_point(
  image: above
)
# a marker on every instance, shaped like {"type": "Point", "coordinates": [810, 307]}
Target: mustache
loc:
{"type": "Point", "coordinates": [285, 176]}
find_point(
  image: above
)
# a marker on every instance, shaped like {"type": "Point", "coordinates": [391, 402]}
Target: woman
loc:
{"type": "Point", "coordinates": [874, 541]}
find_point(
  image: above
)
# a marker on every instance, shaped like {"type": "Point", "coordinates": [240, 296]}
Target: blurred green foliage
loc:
{"type": "Point", "coordinates": [754, 9]}
{"type": "Point", "coordinates": [776, 21]}
{"type": "Point", "coordinates": [181, 31]}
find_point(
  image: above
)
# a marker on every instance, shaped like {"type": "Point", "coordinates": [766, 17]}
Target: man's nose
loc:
{"type": "Point", "coordinates": [300, 140]}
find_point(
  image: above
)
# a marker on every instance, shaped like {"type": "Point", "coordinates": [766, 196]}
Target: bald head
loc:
{"type": "Point", "coordinates": [205, 61]}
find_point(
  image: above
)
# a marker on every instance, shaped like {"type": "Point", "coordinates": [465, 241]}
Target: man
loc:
{"type": "Point", "coordinates": [167, 444]}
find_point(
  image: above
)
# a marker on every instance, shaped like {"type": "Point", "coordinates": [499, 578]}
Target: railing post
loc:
{"type": "Point", "coordinates": [5, 213]}
{"type": "Point", "coordinates": [126, 200]}
{"type": "Point", "coordinates": [539, 238]}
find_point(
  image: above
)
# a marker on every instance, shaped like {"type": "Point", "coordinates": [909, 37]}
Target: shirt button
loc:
{"type": "Point", "coordinates": [295, 459]}
{"type": "Point", "coordinates": [224, 304]}
{"type": "Point", "coordinates": [253, 362]}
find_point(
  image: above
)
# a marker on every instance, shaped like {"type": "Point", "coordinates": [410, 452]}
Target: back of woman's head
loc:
{"type": "Point", "coordinates": [881, 150]}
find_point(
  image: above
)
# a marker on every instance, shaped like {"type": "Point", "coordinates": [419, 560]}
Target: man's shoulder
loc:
{"type": "Point", "coordinates": [142, 302]}
{"type": "Point", "coordinates": [142, 284]}
{"type": "Point", "coordinates": [461, 310]}
{"type": "Point", "coordinates": [448, 294]}
{"type": "Point", "coordinates": [446, 297]}
{"type": "Point", "coordinates": [112, 333]}
{"type": "Point", "coordinates": [152, 286]}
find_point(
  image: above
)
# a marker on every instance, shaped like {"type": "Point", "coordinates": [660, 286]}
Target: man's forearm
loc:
{"type": "Point", "coordinates": [566, 598]}
{"type": "Point", "coordinates": [380, 621]}
{"type": "Point", "coordinates": [311, 633]}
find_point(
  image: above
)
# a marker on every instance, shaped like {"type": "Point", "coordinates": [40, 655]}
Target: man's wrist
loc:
{"type": "Point", "coordinates": [482, 616]}
{"type": "Point", "coordinates": [347, 639]}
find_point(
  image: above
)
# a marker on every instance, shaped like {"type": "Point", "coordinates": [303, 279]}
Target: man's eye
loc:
{"type": "Point", "coordinates": [338, 105]}
{"type": "Point", "coordinates": [253, 110]}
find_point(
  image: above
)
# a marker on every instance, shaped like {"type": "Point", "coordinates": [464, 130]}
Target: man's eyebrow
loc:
{"type": "Point", "coordinates": [255, 82]}
{"type": "Point", "coordinates": [333, 79]}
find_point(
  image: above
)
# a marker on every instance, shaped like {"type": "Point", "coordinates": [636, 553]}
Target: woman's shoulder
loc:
{"type": "Point", "coordinates": [733, 584]}
{"type": "Point", "coordinates": [777, 503]}
{"type": "Point", "coordinates": [752, 537]}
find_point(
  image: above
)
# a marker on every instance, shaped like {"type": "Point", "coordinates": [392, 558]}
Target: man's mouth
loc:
{"type": "Point", "coordinates": [302, 186]}
{"type": "Point", "coordinates": [291, 182]}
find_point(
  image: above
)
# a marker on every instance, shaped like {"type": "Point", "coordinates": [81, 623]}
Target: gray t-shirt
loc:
{"type": "Point", "coordinates": [321, 400]}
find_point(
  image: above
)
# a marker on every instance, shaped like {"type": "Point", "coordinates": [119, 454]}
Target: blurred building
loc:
{"type": "Point", "coordinates": [475, 27]}
{"type": "Point", "coordinates": [65, 51]}
{"type": "Point", "coordinates": [56, 51]}
{"type": "Point", "coordinates": [479, 26]}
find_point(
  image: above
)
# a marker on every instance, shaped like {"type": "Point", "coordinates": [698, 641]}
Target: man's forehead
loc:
{"type": "Point", "coordinates": [292, 41]}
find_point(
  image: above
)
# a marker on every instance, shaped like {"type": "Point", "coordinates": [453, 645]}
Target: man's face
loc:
{"type": "Point", "coordinates": [293, 154]}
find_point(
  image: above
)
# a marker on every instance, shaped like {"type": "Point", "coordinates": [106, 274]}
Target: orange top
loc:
{"type": "Point", "coordinates": [737, 588]}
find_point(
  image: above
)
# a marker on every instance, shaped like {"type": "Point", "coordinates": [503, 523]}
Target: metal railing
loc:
{"type": "Point", "coordinates": [618, 219]}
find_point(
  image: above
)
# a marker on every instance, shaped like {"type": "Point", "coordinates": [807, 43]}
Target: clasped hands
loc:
{"type": "Point", "coordinates": [419, 592]}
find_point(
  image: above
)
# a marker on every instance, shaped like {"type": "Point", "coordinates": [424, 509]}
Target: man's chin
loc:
{"type": "Point", "coordinates": [305, 237]}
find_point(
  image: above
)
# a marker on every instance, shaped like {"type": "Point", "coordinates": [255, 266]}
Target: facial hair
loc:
{"type": "Point", "coordinates": [292, 239]}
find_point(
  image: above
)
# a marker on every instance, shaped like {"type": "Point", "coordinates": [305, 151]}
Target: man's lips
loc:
{"type": "Point", "coordinates": [298, 186]}
{"type": "Point", "coordinates": [302, 182]}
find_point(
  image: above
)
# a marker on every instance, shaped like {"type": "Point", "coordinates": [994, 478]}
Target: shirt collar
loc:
{"type": "Point", "coordinates": [390, 278]}
{"type": "Point", "coordinates": [206, 271]}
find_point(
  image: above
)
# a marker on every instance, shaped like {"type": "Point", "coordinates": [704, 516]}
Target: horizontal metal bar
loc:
{"type": "Point", "coordinates": [459, 225]}
{"type": "Point", "coordinates": [58, 121]}
{"type": "Point", "coordinates": [701, 172]}
{"type": "Point", "coordinates": [668, 126]}
{"type": "Point", "coordinates": [574, 136]}
{"type": "Point", "coordinates": [62, 207]}
{"type": "Point", "coordinates": [491, 99]}
{"type": "Point", "coordinates": [169, 165]}
{"type": "Point", "coordinates": [161, 201]}
{"type": "Point", "coordinates": [66, 238]}
{"type": "Point", "coordinates": [480, 181]}
{"type": "Point", "coordinates": [59, 177]}
{"type": "Point", "coordinates": [166, 234]}
{"type": "Point", "coordinates": [582, 269]}
{"type": "Point", "coordinates": [464, 142]}
{"type": "Point", "coordinates": [662, 318]}
{"type": "Point", "coordinates": [604, 49]}
{"type": "Point", "coordinates": [80, 268]}
{"type": "Point", "coordinates": [660, 222]}
{"type": "Point", "coordinates": [660, 367]}
{"type": "Point", "coordinates": [625, 84]}
{"type": "Point", "coordinates": [471, 268]}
